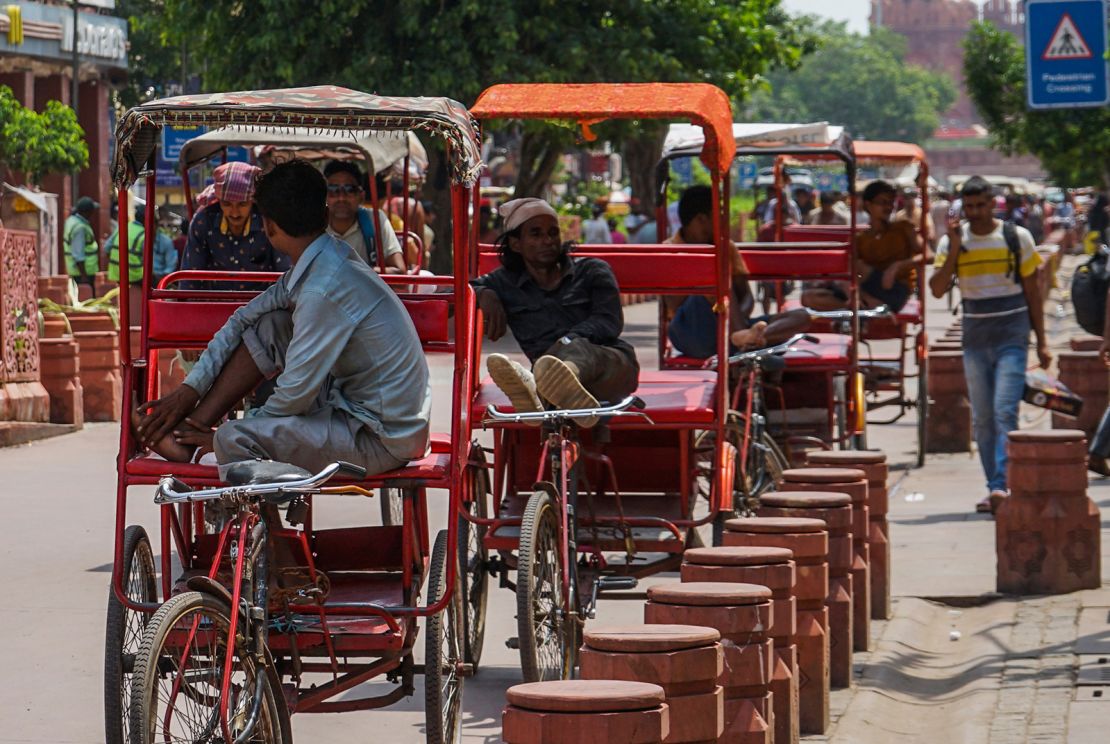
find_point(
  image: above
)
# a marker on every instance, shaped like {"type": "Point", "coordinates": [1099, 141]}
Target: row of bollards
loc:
{"type": "Point", "coordinates": [747, 645]}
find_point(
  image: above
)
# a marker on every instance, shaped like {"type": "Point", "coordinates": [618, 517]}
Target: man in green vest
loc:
{"type": "Point", "coordinates": [82, 252]}
{"type": "Point", "coordinates": [165, 255]}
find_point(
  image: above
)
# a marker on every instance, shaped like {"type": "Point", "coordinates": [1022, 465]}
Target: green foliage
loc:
{"type": "Point", "coordinates": [39, 144]}
{"type": "Point", "coordinates": [862, 83]}
{"type": "Point", "coordinates": [1073, 144]}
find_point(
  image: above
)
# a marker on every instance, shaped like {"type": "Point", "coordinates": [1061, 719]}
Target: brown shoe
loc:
{"type": "Point", "coordinates": [557, 382]}
{"type": "Point", "coordinates": [516, 382]}
{"type": "Point", "coordinates": [1098, 465]}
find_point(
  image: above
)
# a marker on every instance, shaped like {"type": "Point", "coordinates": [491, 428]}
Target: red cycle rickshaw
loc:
{"type": "Point", "coordinates": [576, 513]}
{"type": "Point", "coordinates": [199, 647]}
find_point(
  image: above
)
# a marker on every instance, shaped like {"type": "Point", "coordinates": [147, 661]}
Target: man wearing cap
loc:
{"type": "Point", "coordinates": [227, 235]}
{"type": "Point", "coordinates": [565, 313]}
{"type": "Point", "coordinates": [82, 252]}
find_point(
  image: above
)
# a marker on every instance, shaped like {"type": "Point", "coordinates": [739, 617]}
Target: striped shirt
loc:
{"type": "Point", "coordinates": [984, 267]}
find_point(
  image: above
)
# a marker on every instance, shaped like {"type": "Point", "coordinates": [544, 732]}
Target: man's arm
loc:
{"type": "Point", "coordinates": [77, 250]}
{"type": "Point", "coordinates": [196, 254]}
{"type": "Point", "coordinates": [321, 330]}
{"type": "Point", "coordinates": [606, 319]}
{"type": "Point", "coordinates": [1029, 265]}
{"type": "Point", "coordinates": [948, 247]}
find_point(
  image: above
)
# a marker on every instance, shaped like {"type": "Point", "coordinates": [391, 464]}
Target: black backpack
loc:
{"type": "Point", "coordinates": [1088, 292]}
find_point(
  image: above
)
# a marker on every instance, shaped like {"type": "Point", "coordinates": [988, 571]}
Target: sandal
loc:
{"type": "Point", "coordinates": [984, 506]}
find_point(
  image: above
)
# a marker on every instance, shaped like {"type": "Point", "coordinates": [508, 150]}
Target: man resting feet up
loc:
{"type": "Point", "coordinates": [564, 312]}
{"type": "Point", "coordinates": [352, 382]}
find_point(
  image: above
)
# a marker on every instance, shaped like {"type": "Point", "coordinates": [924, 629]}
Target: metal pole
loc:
{"type": "Point", "coordinates": [73, 95]}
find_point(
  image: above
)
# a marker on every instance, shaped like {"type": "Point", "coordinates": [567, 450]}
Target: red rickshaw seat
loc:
{"type": "Point", "coordinates": [831, 349]}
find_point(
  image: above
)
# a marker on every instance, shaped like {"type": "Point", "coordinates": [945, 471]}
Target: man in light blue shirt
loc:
{"type": "Point", "coordinates": [352, 382]}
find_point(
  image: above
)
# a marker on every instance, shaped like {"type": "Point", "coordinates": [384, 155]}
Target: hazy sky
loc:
{"type": "Point", "coordinates": [855, 12]}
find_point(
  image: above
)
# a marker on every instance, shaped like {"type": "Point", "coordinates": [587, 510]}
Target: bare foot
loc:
{"type": "Point", "coordinates": [750, 336]}
{"type": "Point", "coordinates": [167, 446]}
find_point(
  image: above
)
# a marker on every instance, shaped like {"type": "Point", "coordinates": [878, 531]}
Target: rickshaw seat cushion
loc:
{"type": "Point", "coordinates": [831, 349]}
{"type": "Point", "coordinates": [670, 396]}
{"type": "Point", "coordinates": [255, 472]}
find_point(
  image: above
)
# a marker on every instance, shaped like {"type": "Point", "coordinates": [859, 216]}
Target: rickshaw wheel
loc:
{"type": "Point", "coordinates": [474, 557]}
{"type": "Point", "coordinates": [392, 506]}
{"type": "Point", "coordinates": [124, 632]}
{"type": "Point", "coordinates": [443, 652]}
{"type": "Point", "coordinates": [545, 628]}
{"type": "Point", "coordinates": [194, 692]}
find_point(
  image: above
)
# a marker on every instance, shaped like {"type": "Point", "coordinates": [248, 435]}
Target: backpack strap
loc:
{"type": "Point", "coordinates": [366, 227]}
{"type": "Point", "coordinates": [1009, 234]}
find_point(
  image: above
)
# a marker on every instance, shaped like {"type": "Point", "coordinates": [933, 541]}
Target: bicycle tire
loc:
{"type": "Point", "coordinates": [443, 652]}
{"type": "Point", "coordinates": [474, 559]}
{"type": "Point", "coordinates": [155, 667]}
{"type": "Point", "coordinates": [542, 620]}
{"type": "Point", "coordinates": [123, 632]}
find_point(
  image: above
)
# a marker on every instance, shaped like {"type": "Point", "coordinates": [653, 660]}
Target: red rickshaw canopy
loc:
{"type": "Point", "coordinates": [700, 103]}
{"type": "Point", "coordinates": [878, 151]}
{"type": "Point", "coordinates": [322, 108]}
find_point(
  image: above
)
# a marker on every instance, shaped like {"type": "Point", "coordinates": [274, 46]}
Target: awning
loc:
{"type": "Point", "coordinates": [35, 198]}
{"type": "Point", "coordinates": [765, 138]}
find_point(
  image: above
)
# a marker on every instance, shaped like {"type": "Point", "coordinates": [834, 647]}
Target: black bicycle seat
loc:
{"type": "Point", "coordinates": [256, 472]}
{"type": "Point", "coordinates": [772, 363]}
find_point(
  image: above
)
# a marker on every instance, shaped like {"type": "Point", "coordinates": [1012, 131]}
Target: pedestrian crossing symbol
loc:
{"type": "Point", "coordinates": [1066, 42]}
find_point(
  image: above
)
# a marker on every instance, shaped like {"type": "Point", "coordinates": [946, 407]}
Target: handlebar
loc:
{"type": "Point", "coordinates": [168, 492]}
{"type": "Point", "coordinates": [882, 311]}
{"type": "Point", "coordinates": [615, 410]}
{"type": "Point", "coordinates": [757, 355]}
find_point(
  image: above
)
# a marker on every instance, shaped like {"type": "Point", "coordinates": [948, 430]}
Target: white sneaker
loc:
{"type": "Point", "coordinates": [557, 382]}
{"type": "Point", "coordinates": [516, 382]}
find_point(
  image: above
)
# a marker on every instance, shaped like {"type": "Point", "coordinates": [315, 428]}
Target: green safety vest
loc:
{"type": "Point", "coordinates": [91, 262]}
{"type": "Point", "coordinates": [134, 254]}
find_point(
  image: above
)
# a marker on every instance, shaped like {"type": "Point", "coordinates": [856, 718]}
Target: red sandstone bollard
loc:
{"type": "Point", "coordinates": [101, 382]}
{"type": "Point", "coordinates": [948, 425]}
{"type": "Point", "coordinates": [852, 482]}
{"type": "Point", "coordinates": [872, 462]}
{"type": "Point", "coordinates": [54, 288]}
{"type": "Point", "coordinates": [579, 711]}
{"type": "Point", "coordinates": [60, 375]}
{"type": "Point", "coordinates": [741, 613]}
{"type": "Point", "coordinates": [836, 511]}
{"type": "Point", "coordinates": [1085, 375]}
{"type": "Point", "coordinates": [1047, 531]}
{"type": "Point", "coordinates": [774, 569]}
{"type": "Point", "coordinates": [84, 322]}
{"type": "Point", "coordinates": [685, 660]}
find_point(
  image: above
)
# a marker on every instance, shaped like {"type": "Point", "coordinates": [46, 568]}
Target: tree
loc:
{"type": "Point", "coordinates": [39, 144]}
{"type": "Point", "coordinates": [457, 48]}
{"type": "Point", "coordinates": [863, 83]}
{"type": "Point", "coordinates": [1073, 145]}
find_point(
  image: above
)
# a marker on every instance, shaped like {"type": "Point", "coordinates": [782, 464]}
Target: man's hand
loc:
{"type": "Point", "coordinates": [1044, 356]}
{"type": "Point", "coordinates": [955, 235]}
{"type": "Point", "coordinates": [1104, 351]}
{"type": "Point", "coordinates": [162, 415]}
{"type": "Point", "coordinates": [890, 275]}
{"type": "Point", "coordinates": [496, 320]}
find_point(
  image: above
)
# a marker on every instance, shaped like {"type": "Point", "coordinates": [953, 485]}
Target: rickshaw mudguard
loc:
{"type": "Point", "coordinates": [205, 585]}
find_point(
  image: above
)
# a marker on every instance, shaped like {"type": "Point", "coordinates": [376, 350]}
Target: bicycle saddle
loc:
{"type": "Point", "coordinates": [256, 472]}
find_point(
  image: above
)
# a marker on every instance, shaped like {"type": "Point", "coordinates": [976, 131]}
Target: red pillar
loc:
{"type": "Point", "coordinates": [93, 181]}
{"type": "Point", "coordinates": [22, 84]}
{"type": "Point", "coordinates": [56, 88]}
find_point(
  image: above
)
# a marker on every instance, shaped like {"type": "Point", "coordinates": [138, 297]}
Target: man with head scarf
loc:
{"type": "Point", "coordinates": [564, 312]}
{"type": "Point", "coordinates": [227, 235]}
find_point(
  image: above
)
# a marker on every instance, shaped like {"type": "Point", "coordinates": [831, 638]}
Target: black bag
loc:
{"type": "Point", "coordinates": [1088, 293]}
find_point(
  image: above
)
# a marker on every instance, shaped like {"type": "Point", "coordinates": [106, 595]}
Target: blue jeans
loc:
{"type": "Point", "coordinates": [995, 354]}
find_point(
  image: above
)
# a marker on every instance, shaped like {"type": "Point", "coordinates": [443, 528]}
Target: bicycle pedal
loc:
{"type": "Point", "coordinates": [616, 583]}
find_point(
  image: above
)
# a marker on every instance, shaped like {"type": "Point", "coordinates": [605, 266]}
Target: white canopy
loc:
{"type": "Point", "coordinates": [687, 139]}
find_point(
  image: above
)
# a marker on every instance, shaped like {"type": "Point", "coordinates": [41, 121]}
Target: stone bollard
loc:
{"type": "Point", "coordinates": [741, 613]}
{"type": "Point", "coordinates": [853, 482]}
{"type": "Point", "coordinates": [873, 463]}
{"type": "Point", "coordinates": [59, 371]}
{"type": "Point", "coordinates": [1085, 343]}
{"type": "Point", "coordinates": [82, 322]}
{"type": "Point", "coordinates": [55, 288]}
{"type": "Point", "coordinates": [685, 660]}
{"type": "Point", "coordinates": [835, 509]}
{"type": "Point", "coordinates": [1085, 375]}
{"type": "Point", "coordinates": [101, 380]}
{"type": "Point", "coordinates": [581, 711]}
{"type": "Point", "coordinates": [808, 541]}
{"type": "Point", "coordinates": [55, 325]}
{"type": "Point", "coordinates": [948, 425]}
{"type": "Point", "coordinates": [1047, 531]}
{"type": "Point", "coordinates": [774, 569]}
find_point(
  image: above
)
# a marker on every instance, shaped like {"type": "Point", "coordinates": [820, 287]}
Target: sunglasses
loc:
{"type": "Point", "coordinates": [349, 189]}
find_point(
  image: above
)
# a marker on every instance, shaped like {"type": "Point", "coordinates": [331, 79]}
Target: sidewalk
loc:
{"type": "Point", "coordinates": [958, 662]}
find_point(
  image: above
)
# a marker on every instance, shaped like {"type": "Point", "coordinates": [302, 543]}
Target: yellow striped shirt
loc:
{"type": "Point", "coordinates": [985, 261]}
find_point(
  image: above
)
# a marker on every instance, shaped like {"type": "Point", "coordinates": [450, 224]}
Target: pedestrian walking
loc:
{"type": "Point", "coordinates": [996, 264]}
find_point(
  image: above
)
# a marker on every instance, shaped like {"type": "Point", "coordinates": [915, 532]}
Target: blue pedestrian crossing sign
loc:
{"type": "Point", "coordinates": [1065, 54]}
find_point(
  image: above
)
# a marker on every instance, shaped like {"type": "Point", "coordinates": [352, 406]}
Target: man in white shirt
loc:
{"type": "Point", "coordinates": [596, 230]}
{"type": "Point", "coordinates": [354, 224]}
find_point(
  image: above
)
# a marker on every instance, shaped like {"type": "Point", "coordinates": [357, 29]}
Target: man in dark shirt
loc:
{"type": "Point", "coordinates": [565, 313]}
{"type": "Point", "coordinates": [227, 235]}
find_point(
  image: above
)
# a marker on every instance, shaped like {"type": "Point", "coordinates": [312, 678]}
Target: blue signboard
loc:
{"type": "Point", "coordinates": [746, 172]}
{"type": "Point", "coordinates": [1065, 54]}
{"type": "Point", "coordinates": [173, 139]}
{"type": "Point", "coordinates": [682, 171]}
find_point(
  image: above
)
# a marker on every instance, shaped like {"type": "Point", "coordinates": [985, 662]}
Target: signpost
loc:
{"type": "Point", "coordinates": [1065, 54]}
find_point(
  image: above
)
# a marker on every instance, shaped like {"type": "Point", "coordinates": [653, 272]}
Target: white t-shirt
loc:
{"type": "Point", "coordinates": [596, 231]}
{"type": "Point", "coordinates": [353, 237]}
{"type": "Point", "coordinates": [983, 264]}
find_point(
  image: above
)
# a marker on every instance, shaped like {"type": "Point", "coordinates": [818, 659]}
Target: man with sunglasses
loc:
{"type": "Point", "coordinates": [354, 224]}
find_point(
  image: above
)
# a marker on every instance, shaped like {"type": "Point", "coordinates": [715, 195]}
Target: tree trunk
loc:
{"type": "Point", "coordinates": [538, 157]}
{"type": "Point", "coordinates": [641, 154]}
{"type": "Point", "coordinates": [438, 190]}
